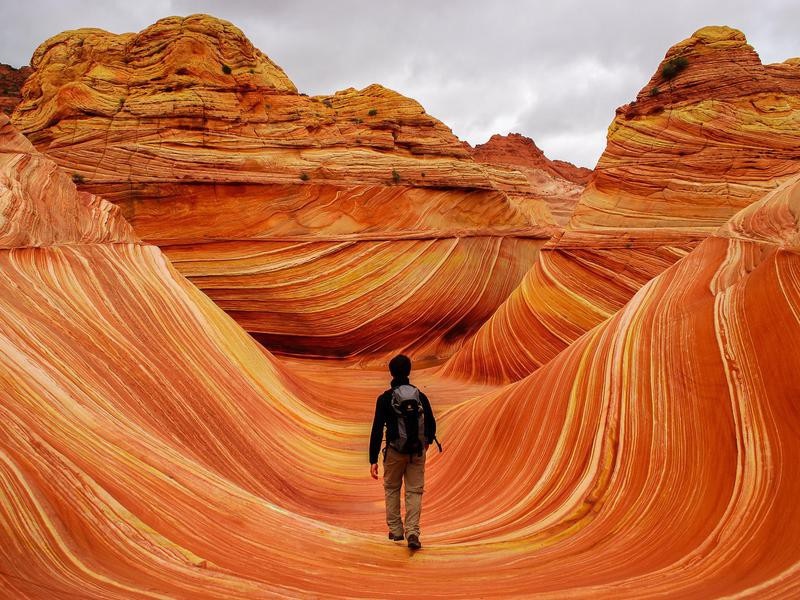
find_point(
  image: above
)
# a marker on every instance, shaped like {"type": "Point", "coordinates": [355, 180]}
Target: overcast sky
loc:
{"type": "Point", "coordinates": [554, 71]}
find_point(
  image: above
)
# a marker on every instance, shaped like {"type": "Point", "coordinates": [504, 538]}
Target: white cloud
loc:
{"type": "Point", "coordinates": [585, 146]}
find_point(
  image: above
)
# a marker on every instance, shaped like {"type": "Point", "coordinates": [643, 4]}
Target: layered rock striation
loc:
{"type": "Point", "coordinates": [555, 183]}
{"type": "Point", "coordinates": [150, 448]}
{"type": "Point", "coordinates": [304, 217]}
{"type": "Point", "coordinates": [710, 134]}
{"type": "Point", "coordinates": [674, 417]}
{"type": "Point", "coordinates": [130, 402]}
{"type": "Point", "coordinates": [518, 150]}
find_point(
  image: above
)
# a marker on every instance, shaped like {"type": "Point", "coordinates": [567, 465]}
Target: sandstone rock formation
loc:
{"type": "Point", "coordinates": [558, 183]}
{"type": "Point", "coordinates": [712, 132]}
{"type": "Point", "coordinates": [517, 150]}
{"type": "Point", "coordinates": [11, 81]}
{"type": "Point", "coordinates": [722, 126]}
{"type": "Point", "coordinates": [336, 225]}
{"type": "Point", "coordinates": [675, 417]}
{"type": "Point", "coordinates": [40, 208]}
{"type": "Point", "coordinates": [151, 449]}
{"type": "Point", "coordinates": [129, 401]}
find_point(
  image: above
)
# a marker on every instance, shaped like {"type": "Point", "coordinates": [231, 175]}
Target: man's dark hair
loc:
{"type": "Point", "coordinates": [400, 366]}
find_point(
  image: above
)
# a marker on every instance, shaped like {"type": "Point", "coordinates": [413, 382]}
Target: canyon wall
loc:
{"type": "Point", "coordinates": [711, 133]}
{"type": "Point", "coordinates": [150, 448]}
{"type": "Point", "coordinates": [350, 225]}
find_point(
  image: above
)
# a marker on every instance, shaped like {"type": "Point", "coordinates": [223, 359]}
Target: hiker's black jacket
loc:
{"type": "Point", "coordinates": [384, 416]}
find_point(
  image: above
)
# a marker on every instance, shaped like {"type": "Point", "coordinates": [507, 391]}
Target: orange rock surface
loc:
{"type": "Point", "coordinates": [11, 81]}
{"type": "Point", "coordinates": [331, 225]}
{"type": "Point", "coordinates": [557, 183]}
{"type": "Point", "coordinates": [712, 132]}
{"type": "Point", "coordinates": [724, 126]}
{"type": "Point", "coordinates": [151, 449]}
{"type": "Point", "coordinates": [517, 150]}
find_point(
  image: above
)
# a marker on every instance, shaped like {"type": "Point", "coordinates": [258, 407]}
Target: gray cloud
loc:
{"type": "Point", "coordinates": [554, 71]}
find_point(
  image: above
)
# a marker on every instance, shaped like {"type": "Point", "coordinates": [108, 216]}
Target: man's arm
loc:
{"type": "Point", "coordinates": [430, 421]}
{"type": "Point", "coordinates": [376, 437]}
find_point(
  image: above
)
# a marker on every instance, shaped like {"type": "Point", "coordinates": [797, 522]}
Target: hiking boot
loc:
{"type": "Point", "coordinates": [413, 542]}
{"type": "Point", "coordinates": [395, 538]}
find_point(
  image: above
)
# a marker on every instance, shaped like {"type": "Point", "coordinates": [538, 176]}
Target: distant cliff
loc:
{"type": "Point", "coordinates": [11, 81]}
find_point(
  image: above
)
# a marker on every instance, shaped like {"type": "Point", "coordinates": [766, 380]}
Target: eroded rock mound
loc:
{"type": "Point", "coordinates": [711, 133]}
{"type": "Point", "coordinates": [555, 182]}
{"type": "Point", "coordinates": [11, 81]}
{"type": "Point", "coordinates": [520, 151]}
{"type": "Point", "coordinates": [331, 225]}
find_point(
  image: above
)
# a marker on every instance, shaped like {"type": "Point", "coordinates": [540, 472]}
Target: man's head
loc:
{"type": "Point", "coordinates": [400, 366]}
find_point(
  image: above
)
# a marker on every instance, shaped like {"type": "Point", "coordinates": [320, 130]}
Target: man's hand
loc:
{"type": "Point", "coordinates": [373, 470]}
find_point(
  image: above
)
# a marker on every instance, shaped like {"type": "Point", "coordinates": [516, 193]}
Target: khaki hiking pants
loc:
{"type": "Point", "coordinates": [396, 468]}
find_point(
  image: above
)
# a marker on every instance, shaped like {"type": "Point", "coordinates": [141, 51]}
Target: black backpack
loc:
{"type": "Point", "coordinates": [407, 409]}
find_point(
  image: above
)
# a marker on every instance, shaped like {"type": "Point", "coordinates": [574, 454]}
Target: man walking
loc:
{"type": "Point", "coordinates": [410, 429]}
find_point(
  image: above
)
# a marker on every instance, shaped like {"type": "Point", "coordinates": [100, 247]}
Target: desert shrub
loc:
{"type": "Point", "coordinates": [674, 66]}
{"type": "Point", "coordinates": [395, 176]}
{"type": "Point", "coordinates": [304, 176]}
{"type": "Point", "coordinates": [78, 178]}
{"type": "Point", "coordinates": [655, 91]}
{"type": "Point", "coordinates": [372, 112]}
{"type": "Point", "coordinates": [226, 69]}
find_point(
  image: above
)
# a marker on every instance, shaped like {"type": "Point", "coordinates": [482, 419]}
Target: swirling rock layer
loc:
{"type": "Point", "coordinates": [38, 207]}
{"type": "Point", "coordinates": [673, 417]}
{"type": "Point", "coordinates": [151, 449]}
{"type": "Point", "coordinates": [711, 133]}
{"type": "Point", "coordinates": [212, 154]}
